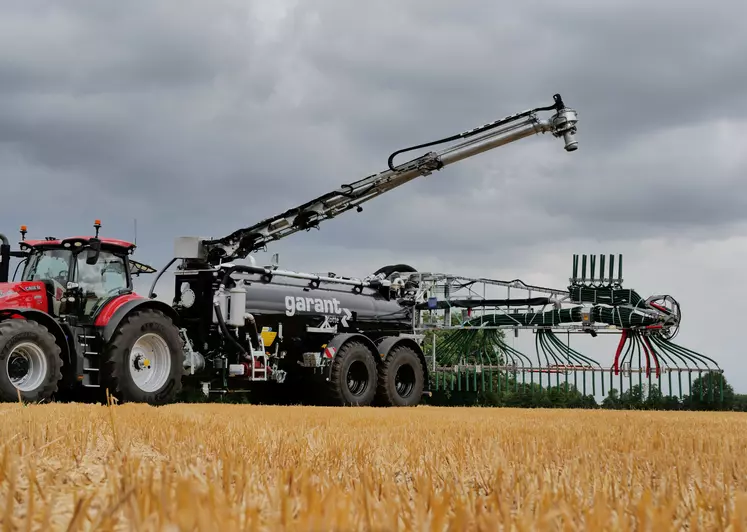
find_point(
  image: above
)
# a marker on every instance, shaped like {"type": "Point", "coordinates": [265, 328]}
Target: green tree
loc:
{"type": "Point", "coordinates": [706, 391]}
{"type": "Point", "coordinates": [632, 398]}
{"type": "Point", "coordinates": [654, 398]}
{"type": "Point", "coordinates": [612, 401]}
{"type": "Point", "coordinates": [740, 402]}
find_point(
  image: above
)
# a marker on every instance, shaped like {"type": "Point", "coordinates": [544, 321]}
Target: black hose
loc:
{"type": "Point", "coordinates": [254, 333]}
{"type": "Point", "coordinates": [4, 240]}
{"type": "Point", "coordinates": [15, 272]}
{"type": "Point", "coordinates": [224, 329]}
{"type": "Point", "coordinates": [151, 294]}
{"type": "Point", "coordinates": [558, 105]}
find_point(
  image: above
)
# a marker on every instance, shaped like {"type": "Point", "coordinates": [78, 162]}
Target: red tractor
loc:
{"type": "Point", "coordinates": [73, 319]}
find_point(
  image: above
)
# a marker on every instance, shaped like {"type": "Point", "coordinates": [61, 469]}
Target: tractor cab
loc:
{"type": "Point", "coordinates": [79, 275]}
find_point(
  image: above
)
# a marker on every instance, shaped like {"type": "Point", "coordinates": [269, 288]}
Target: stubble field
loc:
{"type": "Point", "coordinates": [237, 467]}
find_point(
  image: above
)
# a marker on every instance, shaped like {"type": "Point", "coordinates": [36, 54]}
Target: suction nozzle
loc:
{"type": "Point", "coordinates": [564, 125]}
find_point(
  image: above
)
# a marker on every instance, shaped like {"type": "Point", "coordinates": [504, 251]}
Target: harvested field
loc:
{"type": "Point", "coordinates": [237, 467]}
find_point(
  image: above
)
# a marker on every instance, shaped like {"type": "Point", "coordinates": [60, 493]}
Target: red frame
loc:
{"type": "Point", "coordinates": [114, 242]}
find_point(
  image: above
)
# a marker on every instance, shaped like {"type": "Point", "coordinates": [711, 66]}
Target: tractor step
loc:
{"type": "Point", "coordinates": [91, 360]}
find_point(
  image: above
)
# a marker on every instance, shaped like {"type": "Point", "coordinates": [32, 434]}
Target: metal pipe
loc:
{"type": "Point", "coordinates": [254, 270]}
{"type": "Point", "coordinates": [493, 140]}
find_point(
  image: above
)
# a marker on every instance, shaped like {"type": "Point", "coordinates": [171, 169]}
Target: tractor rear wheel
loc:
{"type": "Point", "coordinates": [353, 376]}
{"type": "Point", "coordinates": [401, 378]}
{"type": "Point", "coordinates": [30, 362]}
{"type": "Point", "coordinates": [144, 359]}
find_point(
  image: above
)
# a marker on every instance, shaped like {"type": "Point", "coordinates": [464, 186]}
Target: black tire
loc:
{"type": "Point", "coordinates": [116, 374]}
{"type": "Point", "coordinates": [353, 362]}
{"type": "Point", "coordinates": [41, 347]}
{"type": "Point", "coordinates": [401, 378]}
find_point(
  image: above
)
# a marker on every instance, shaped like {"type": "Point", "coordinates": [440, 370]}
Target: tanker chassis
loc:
{"type": "Point", "coordinates": [320, 334]}
{"type": "Point", "coordinates": [73, 323]}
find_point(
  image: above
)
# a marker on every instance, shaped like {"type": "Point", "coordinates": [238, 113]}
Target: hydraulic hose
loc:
{"type": "Point", "coordinates": [151, 293]}
{"type": "Point", "coordinates": [4, 240]}
{"type": "Point", "coordinates": [622, 316]}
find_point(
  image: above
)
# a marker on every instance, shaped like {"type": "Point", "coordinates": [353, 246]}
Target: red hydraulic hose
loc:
{"type": "Point", "coordinates": [653, 353]}
{"type": "Point", "coordinates": [623, 338]}
{"type": "Point", "coordinates": [659, 307]}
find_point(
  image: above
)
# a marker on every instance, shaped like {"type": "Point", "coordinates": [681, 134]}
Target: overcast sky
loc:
{"type": "Point", "coordinates": [197, 118]}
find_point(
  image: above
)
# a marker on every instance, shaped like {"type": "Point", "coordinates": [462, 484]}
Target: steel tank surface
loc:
{"type": "Point", "coordinates": [295, 298]}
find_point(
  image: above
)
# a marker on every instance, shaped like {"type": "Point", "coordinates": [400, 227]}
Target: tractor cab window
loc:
{"type": "Point", "coordinates": [48, 265]}
{"type": "Point", "coordinates": [101, 281]}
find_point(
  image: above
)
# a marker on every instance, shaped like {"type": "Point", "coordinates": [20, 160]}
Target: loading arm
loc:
{"type": "Point", "coordinates": [241, 243]}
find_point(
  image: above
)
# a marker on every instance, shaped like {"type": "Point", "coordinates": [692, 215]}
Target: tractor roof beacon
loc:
{"type": "Point", "coordinates": [73, 326]}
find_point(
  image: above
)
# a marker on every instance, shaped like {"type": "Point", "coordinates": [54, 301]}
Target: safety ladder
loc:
{"type": "Point", "coordinates": [259, 374]}
{"type": "Point", "coordinates": [91, 361]}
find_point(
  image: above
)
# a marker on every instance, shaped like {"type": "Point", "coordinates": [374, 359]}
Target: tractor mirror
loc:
{"type": "Point", "coordinates": [92, 256]}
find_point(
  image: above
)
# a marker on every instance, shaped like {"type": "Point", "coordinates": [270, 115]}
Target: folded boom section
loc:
{"type": "Point", "coordinates": [468, 324]}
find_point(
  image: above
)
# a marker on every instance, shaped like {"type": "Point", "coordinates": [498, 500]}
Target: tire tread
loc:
{"type": "Point", "coordinates": [383, 395]}
{"type": "Point", "coordinates": [334, 386]}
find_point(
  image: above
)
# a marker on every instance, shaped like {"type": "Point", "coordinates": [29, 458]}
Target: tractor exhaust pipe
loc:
{"type": "Point", "coordinates": [4, 258]}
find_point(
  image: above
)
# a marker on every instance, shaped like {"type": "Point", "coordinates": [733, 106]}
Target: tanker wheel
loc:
{"type": "Point", "coordinates": [144, 359]}
{"type": "Point", "coordinates": [401, 378]}
{"type": "Point", "coordinates": [30, 361]}
{"type": "Point", "coordinates": [353, 376]}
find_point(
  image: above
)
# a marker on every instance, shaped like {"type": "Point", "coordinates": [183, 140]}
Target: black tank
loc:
{"type": "Point", "coordinates": [291, 298]}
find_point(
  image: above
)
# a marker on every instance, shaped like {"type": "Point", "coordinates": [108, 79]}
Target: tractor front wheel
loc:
{"type": "Point", "coordinates": [30, 362]}
{"type": "Point", "coordinates": [144, 359]}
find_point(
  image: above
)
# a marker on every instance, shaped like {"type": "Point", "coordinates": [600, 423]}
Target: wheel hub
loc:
{"type": "Point", "coordinates": [141, 362]}
{"type": "Point", "coordinates": [357, 378]}
{"type": "Point", "coordinates": [404, 380]}
{"type": "Point", "coordinates": [150, 362]}
{"type": "Point", "coordinates": [26, 366]}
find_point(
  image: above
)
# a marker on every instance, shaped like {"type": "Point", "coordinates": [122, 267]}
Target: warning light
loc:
{"type": "Point", "coordinates": [97, 225]}
{"type": "Point", "coordinates": [23, 232]}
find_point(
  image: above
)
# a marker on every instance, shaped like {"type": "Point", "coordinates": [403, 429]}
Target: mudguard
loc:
{"type": "Point", "coordinates": [126, 308]}
{"type": "Point", "coordinates": [386, 344]}
{"type": "Point", "coordinates": [63, 336]}
{"type": "Point", "coordinates": [336, 343]}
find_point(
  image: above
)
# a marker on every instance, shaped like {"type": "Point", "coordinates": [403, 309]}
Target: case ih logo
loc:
{"type": "Point", "coordinates": [317, 305]}
{"type": "Point", "coordinates": [32, 288]}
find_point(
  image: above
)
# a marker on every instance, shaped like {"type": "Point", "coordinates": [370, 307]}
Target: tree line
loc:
{"type": "Point", "coordinates": [638, 397]}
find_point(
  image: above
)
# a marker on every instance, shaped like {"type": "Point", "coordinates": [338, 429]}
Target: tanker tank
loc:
{"type": "Point", "coordinates": [294, 298]}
